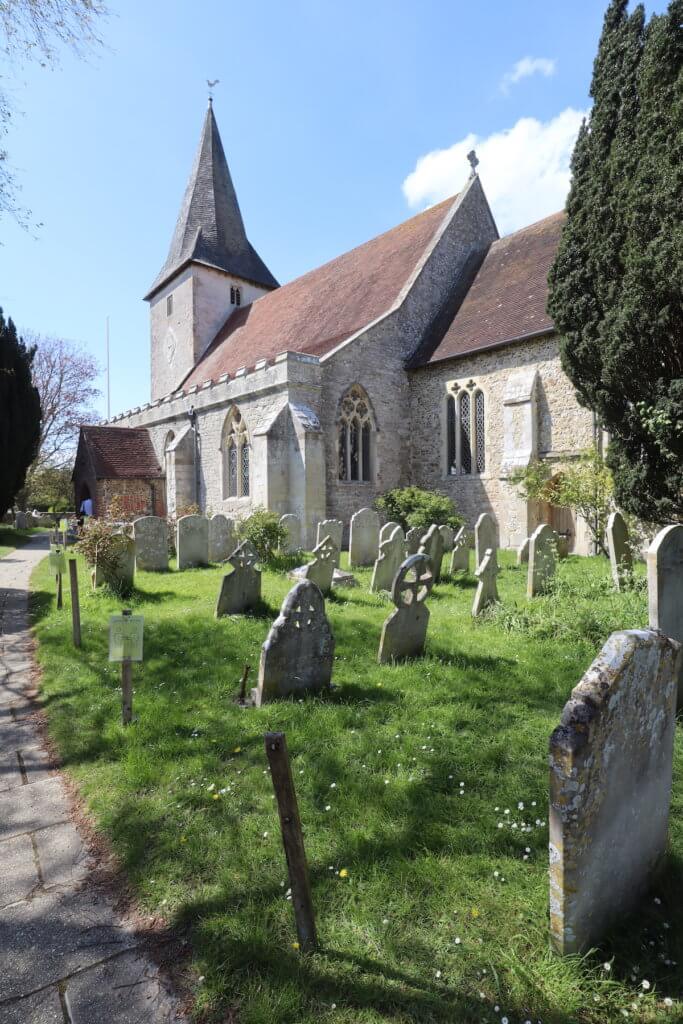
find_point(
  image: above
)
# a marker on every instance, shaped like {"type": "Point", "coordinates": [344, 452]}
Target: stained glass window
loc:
{"type": "Point", "coordinates": [479, 432]}
{"type": "Point", "coordinates": [465, 434]}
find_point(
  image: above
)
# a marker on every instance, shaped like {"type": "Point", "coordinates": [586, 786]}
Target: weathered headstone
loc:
{"type": "Point", "coordinates": [610, 786]}
{"type": "Point", "coordinates": [240, 589]}
{"type": "Point", "coordinates": [363, 537]}
{"type": "Point", "coordinates": [297, 655]}
{"type": "Point", "coordinates": [432, 546]}
{"type": "Point", "coordinates": [523, 552]}
{"type": "Point", "coordinates": [413, 538]}
{"type": "Point", "coordinates": [20, 521]}
{"type": "Point", "coordinates": [542, 559]}
{"type": "Point", "coordinates": [485, 537]}
{"type": "Point", "coordinates": [192, 543]}
{"type": "Point", "coordinates": [665, 587]}
{"type": "Point", "coordinates": [332, 528]}
{"type": "Point", "coordinates": [447, 535]}
{"type": "Point", "coordinates": [150, 534]}
{"type": "Point", "coordinates": [119, 567]}
{"type": "Point", "coordinates": [619, 549]}
{"type": "Point", "coordinates": [487, 590]}
{"type": "Point", "coordinates": [222, 541]}
{"type": "Point", "coordinates": [392, 552]}
{"type": "Point", "coordinates": [405, 631]}
{"type": "Point", "coordinates": [387, 530]}
{"type": "Point", "coordinates": [320, 570]}
{"type": "Point", "coordinates": [460, 558]}
{"type": "Point", "coordinates": [291, 524]}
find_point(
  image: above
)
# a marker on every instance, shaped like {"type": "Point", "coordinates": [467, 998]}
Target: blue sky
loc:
{"type": "Point", "coordinates": [338, 121]}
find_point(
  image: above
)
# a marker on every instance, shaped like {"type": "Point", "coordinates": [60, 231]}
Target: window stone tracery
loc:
{"type": "Point", "coordinates": [465, 429]}
{"type": "Point", "coordinates": [235, 450]}
{"type": "Point", "coordinates": [355, 437]}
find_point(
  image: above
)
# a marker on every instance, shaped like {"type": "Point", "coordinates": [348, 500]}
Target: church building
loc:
{"type": "Point", "coordinates": [424, 356]}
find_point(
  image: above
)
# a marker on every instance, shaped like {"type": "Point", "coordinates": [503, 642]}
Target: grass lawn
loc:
{"type": "Point", "coordinates": [422, 789]}
{"type": "Point", "coordinates": [11, 538]}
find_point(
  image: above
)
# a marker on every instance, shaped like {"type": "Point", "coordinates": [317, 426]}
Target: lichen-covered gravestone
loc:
{"type": "Point", "coordinates": [291, 541]}
{"type": "Point", "coordinates": [332, 528]}
{"type": "Point", "coordinates": [610, 787]}
{"type": "Point", "coordinates": [363, 537]}
{"type": "Point", "coordinates": [487, 590]}
{"type": "Point", "coordinates": [485, 537]}
{"type": "Point", "coordinates": [447, 535]}
{"type": "Point", "coordinates": [523, 552]}
{"type": "Point", "coordinates": [405, 631]}
{"type": "Point", "coordinates": [297, 655]}
{"type": "Point", "coordinates": [432, 546]}
{"type": "Point", "coordinates": [221, 538]}
{"type": "Point", "coordinates": [240, 589]}
{"type": "Point", "coordinates": [665, 587]}
{"type": "Point", "coordinates": [413, 538]}
{"type": "Point", "coordinates": [392, 552]}
{"type": "Point", "coordinates": [192, 541]}
{"type": "Point", "coordinates": [460, 558]}
{"type": "Point", "coordinates": [542, 559]}
{"type": "Point", "coordinates": [320, 570]}
{"type": "Point", "coordinates": [619, 549]}
{"type": "Point", "coordinates": [151, 544]}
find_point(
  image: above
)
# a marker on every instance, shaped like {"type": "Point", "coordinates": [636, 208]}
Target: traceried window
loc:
{"type": "Point", "coordinates": [235, 452]}
{"type": "Point", "coordinates": [464, 424]}
{"type": "Point", "coordinates": [479, 433]}
{"type": "Point", "coordinates": [169, 305]}
{"type": "Point", "coordinates": [355, 437]}
{"type": "Point", "coordinates": [235, 295]}
{"type": "Point", "coordinates": [465, 430]}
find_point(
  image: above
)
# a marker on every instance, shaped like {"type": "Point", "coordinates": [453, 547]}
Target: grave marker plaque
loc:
{"type": "Point", "coordinates": [125, 637]}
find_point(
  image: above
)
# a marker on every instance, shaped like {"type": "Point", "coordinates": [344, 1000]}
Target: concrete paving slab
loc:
{"type": "Point", "coordinates": [19, 875]}
{"type": "Point", "coordinates": [41, 1008]}
{"type": "Point", "coordinates": [125, 990]}
{"type": "Point", "coordinates": [28, 808]}
{"type": "Point", "coordinates": [62, 856]}
{"type": "Point", "coordinates": [36, 764]}
{"type": "Point", "coordinates": [16, 733]}
{"type": "Point", "coordinates": [10, 772]}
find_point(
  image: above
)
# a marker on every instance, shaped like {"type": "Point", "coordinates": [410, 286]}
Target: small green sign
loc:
{"type": "Point", "coordinates": [125, 637]}
{"type": "Point", "coordinates": [63, 525]}
{"type": "Point", "coordinates": [57, 560]}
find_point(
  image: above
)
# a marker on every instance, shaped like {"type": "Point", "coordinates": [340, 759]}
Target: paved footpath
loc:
{"type": "Point", "coordinates": [65, 955]}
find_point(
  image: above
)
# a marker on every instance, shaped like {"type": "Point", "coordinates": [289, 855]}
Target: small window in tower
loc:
{"type": "Point", "coordinates": [235, 296]}
{"type": "Point", "coordinates": [169, 305]}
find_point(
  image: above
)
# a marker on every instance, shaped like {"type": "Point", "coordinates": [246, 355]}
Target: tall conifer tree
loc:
{"type": "Point", "coordinates": [19, 413]}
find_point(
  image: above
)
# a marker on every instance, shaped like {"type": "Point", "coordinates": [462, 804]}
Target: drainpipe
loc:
{"type": "Point", "coordinates": [192, 415]}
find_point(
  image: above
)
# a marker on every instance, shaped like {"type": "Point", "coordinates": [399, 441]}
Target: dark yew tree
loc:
{"type": "Point", "coordinates": [615, 287]}
{"type": "Point", "coordinates": [19, 413]}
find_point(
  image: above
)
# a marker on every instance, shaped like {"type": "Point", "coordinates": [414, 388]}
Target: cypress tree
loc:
{"type": "Point", "coordinates": [19, 413]}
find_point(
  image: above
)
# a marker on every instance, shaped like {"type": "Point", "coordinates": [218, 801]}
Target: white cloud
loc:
{"type": "Point", "coordinates": [525, 68]}
{"type": "Point", "coordinates": [524, 169]}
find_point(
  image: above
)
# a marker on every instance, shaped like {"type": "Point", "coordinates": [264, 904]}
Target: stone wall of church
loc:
{"type": "Point", "coordinates": [563, 429]}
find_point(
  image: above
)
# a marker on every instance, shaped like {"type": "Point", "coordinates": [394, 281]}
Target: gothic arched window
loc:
{"type": "Point", "coordinates": [465, 430]}
{"type": "Point", "coordinates": [465, 424]}
{"type": "Point", "coordinates": [235, 452]}
{"type": "Point", "coordinates": [235, 295]}
{"type": "Point", "coordinates": [355, 437]}
{"type": "Point", "coordinates": [479, 432]}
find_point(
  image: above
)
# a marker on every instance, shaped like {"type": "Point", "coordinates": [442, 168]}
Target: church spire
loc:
{"type": "Point", "coordinates": [210, 228]}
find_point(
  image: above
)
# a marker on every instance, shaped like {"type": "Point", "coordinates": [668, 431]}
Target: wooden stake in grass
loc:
{"type": "Point", "coordinates": [125, 645]}
{"type": "Point", "coordinates": [59, 590]}
{"type": "Point", "coordinates": [292, 839]}
{"type": "Point", "coordinates": [243, 686]}
{"type": "Point", "coordinates": [75, 603]}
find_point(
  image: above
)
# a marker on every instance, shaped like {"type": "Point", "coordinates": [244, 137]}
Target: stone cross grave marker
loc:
{"type": "Point", "coordinates": [221, 537]}
{"type": "Point", "coordinates": [487, 590]}
{"type": "Point", "coordinates": [192, 541]}
{"type": "Point", "coordinates": [320, 570]}
{"type": "Point", "coordinates": [392, 552]}
{"type": "Point", "coordinates": [485, 537]}
{"type": "Point", "coordinates": [363, 537]}
{"type": "Point", "coordinates": [297, 655]}
{"type": "Point", "coordinates": [413, 538]}
{"type": "Point", "coordinates": [240, 589]}
{"type": "Point", "coordinates": [405, 631]}
{"type": "Point", "coordinates": [332, 528]}
{"type": "Point", "coordinates": [150, 534]}
{"type": "Point", "coordinates": [447, 536]}
{"type": "Point", "coordinates": [542, 559]}
{"type": "Point", "coordinates": [665, 587]}
{"type": "Point", "coordinates": [619, 549]}
{"type": "Point", "coordinates": [460, 558]}
{"type": "Point", "coordinates": [523, 552]}
{"type": "Point", "coordinates": [291, 542]}
{"type": "Point", "coordinates": [432, 546]}
{"type": "Point", "coordinates": [610, 786]}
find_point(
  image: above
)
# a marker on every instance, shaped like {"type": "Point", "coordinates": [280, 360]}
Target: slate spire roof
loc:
{"type": "Point", "coordinates": [210, 228]}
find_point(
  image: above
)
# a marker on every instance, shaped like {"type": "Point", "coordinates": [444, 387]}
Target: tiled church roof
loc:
{"type": "Point", "coordinates": [507, 299]}
{"type": "Point", "coordinates": [315, 313]}
{"type": "Point", "coordinates": [120, 452]}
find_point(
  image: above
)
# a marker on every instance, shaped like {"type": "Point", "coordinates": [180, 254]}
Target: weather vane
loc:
{"type": "Point", "coordinates": [211, 85]}
{"type": "Point", "coordinates": [474, 160]}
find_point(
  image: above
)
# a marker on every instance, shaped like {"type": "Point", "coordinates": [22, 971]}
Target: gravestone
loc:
{"type": "Point", "coordinates": [619, 549]}
{"type": "Point", "coordinates": [291, 542]}
{"type": "Point", "coordinates": [432, 546]}
{"type": "Point", "coordinates": [320, 570]}
{"type": "Point", "coordinates": [523, 552]}
{"type": "Point", "coordinates": [405, 631]}
{"type": "Point", "coordinates": [665, 587]}
{"type": "Point", "coordinates": [20, 522]}
{"type": "Point", "coordinates": [119, 568]}
{"type": "Point", "coordinates": [332, 528]}
{"type": "Point", "coordinates": [387, 530]}
{"type": "Point", "coordinates": [447, 535]}
{"type": "Point", "coordinates": [392, 552]}
{"type": "Point", "coordinates": [460, 559]}
{"type": "Point", "coordinates": [221, 538]}
{"type": "Point", "coordinates": [363, 537]}
{"type": "Point", "coordinates": [487, 590]}
{"type": "Point", "coordinates": [485, 537]}
{"type": "Point", "coordinates": [150, 534]}
{"type": "Point", "coordinates": [297, 655]}
{"type": "Point", "coordinates": [240, 589]}
{"type": "Point", "coordinates": [413, 538]}
{"type": "Point", "coordinates": [542, 559]}
{"type": "Point", "coordinates": [192, 541]}
{"type": "Point", "coordinates": [610, 787]}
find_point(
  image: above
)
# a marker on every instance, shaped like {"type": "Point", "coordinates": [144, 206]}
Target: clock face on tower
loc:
{"type": "Point", "coordinates": [170, 347]}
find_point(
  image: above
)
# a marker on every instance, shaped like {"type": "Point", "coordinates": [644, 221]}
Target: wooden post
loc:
{"type": "Point", "coordinates": [59, 590]}
{"type": "Point", "coordinates": [126, 686]}
{"type": "Point", "coordinates": [292, 839]}
{"type": "Point", "coordinates": [75, 603]}
{"type": "Point", "coordinates": [243, 685]}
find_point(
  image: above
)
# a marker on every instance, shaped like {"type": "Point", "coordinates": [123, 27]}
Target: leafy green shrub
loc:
{"type": "Point", "coordinates": [412, 506]}
{"type": "Point", "coordinates": [100, 544]}
{"type": "Point", "coordinates": [263, 529]}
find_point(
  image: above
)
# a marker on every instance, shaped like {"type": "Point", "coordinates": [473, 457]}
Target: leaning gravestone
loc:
{"type": "Point", "coordinates": [405, 631]}
{"type": "Point", "coordinates": [150, 534]}
{"type": "Point", "coordinates": [432, 546]}
{"type": "Point", "coordinates": [192, 541]}
{"type": "Point", "coordinates": [413, 538]}
{"type": "Point", "coordinates": [291, 542]}
{"type": "Point", "coordinates": [542, 559]}
{"type": "Point", "coordinates": [665, 587]}
{"type": "Point", "coordinates": [610, 786]}
{"type": "Point", "coordinates": [387, 530]}
{"type": "Point", "coordinates": [332, 528]}
{"type": "Point", "coordinates": [221, 538]}
{"type": "Point", "coordinates": [523, 552]}
{"type": "Point", "coordinates": [320, 570]}
{"type": "Point", "coordinates": [485, 537]}
{"type": "Point", "coordinates": [363, 537]}
{"type": "Point", "coordinates": [240, 589]}
{"type": "Point", "coordinates": [460, 558]}
{"type": "Point", "coordinates": [392, 552]}
{"type": "Point", "coordinates": [487, 590]}
{"type": "Point", "coordinates": [619, 549]}
{"type": "Point", "coordinates": [297, 655]}
{"type": "Point", "coordinates": [447, 535]}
